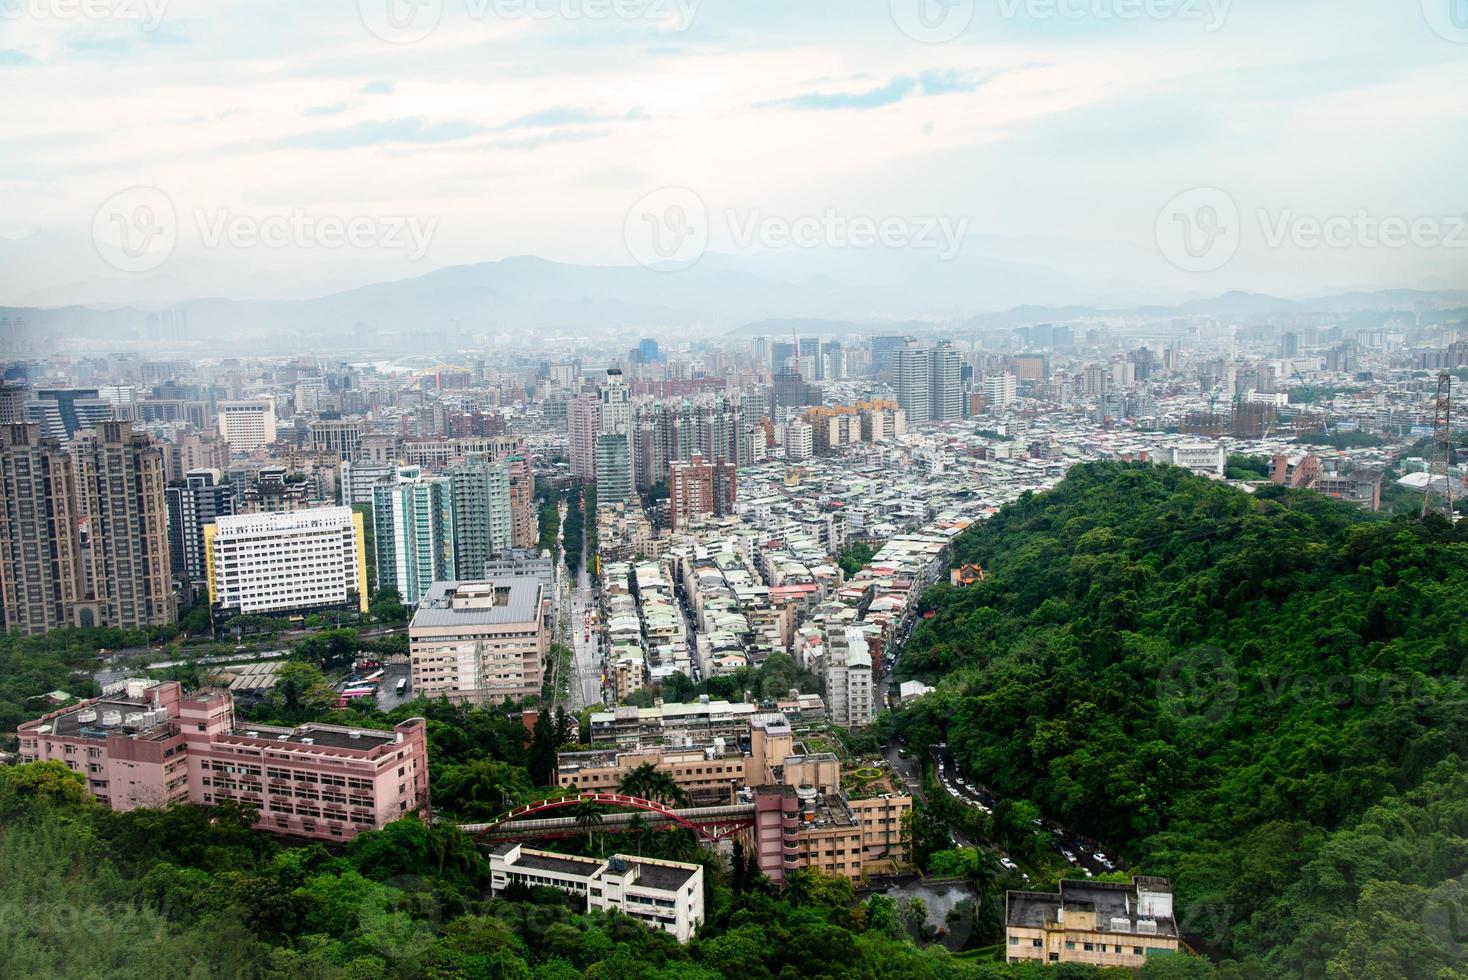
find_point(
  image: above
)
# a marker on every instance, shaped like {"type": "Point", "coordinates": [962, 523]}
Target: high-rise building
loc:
{"type": "Point", "coordinates": [66, 411]}
{"type": "Point", "coordinates": [848, 675]}
{"type": "Point", "coordinates": [613, 469]}
{"type": "Point", "coordinates": [1001, 390]}
{"type": "Point", "coordinates": [616, 416]}
{"type": "Point", "coordinates": [200, 501]}
{"type": "Point", "coordinates": [884, 353]}
{"type": "Point", "coordinates": [913, 367]}
{"type": "Point", "coordinates": [792, 391]}
{"type": "Point", "coordinates": [247, 425]}
{"type": "Point", "coordinates": [41, 573]}
{"type": "Point", "coordinates": [288, 561]}
{"type": "Point", "coordinates": [338, 438]}
{"type": "Point", "coordinates": [583, 425]}
{"type": "Point", "coordinates": [12, 404]}
{"type": "Point", "coordinates": [119, 481]}
{"type": "Point", "coordinates": [482, 519]}
{"type": "Point", "coordinates": [698, 488]}
{"type": "Point", "coordinates": [800, 440]}
{"type": "Point", "coordinates": [946, 385]}
{"type": "Point", "coordinates": [524, 520]}
{"type": "Point", "coordinates": [413, 532]}
{"type": "Point", "coordinates": [358, 479]}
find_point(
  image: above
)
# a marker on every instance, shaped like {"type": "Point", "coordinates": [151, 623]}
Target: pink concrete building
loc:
{"type": "Point", "coordinates": [151, 745]}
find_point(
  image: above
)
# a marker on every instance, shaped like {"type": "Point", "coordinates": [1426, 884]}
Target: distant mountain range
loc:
{"type": "Point", "coordinates": [719, 294]}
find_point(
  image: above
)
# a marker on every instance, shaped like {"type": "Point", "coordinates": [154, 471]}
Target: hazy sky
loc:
{"type": "Point", "coordinates": [1316, 145]}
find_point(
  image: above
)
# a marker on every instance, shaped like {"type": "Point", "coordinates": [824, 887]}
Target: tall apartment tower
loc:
{"type": "Point", "coordinates": [199, 502]}
{"type": "Point", "coordinates": [583, 425]}
{"type": "Point", "coordinates": [481, 514]}
{"type": "Point", "coordinates": [913, 369]}
{"type": "Point", "coordinates": [613, 469]}
{"type": "Point", "coordinates": [946, 384]}
{"type": "Point", "coordinates": [616, 414]}
{"type": "Point", "coordinates": [12, 404]}
{"type": "Point", "coordinates": [524, 520]}
{"type": "Point", "coordinates": [413, 522]}
{"type": "Point", "coordinates": [119, 481]}
{"type": "Point", "coordinates": [41, 575]}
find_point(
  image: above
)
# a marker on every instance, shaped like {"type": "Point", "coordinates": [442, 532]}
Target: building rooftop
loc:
{"type": "Point", "coordinates": [1143, 908]}
{"type": "Point", "coordinates": [495, 602]}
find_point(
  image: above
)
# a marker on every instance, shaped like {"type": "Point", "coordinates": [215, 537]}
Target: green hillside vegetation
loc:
{"type": "Point", "coordinates": [1259, 697]}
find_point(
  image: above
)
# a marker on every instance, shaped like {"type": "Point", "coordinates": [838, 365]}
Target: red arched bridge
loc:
{"type": "Point", "coordinates": [710, 823]}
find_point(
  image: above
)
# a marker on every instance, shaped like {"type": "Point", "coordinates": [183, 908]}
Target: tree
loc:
{"type": "Point", "coordinates": [50, 780]}
{"type": "Point", "coordinates": [777, 676]}
{"type": "Point", "coordinates": [300, 691]}
{"type": "Point", "coordinates": [648, 782]}
{"type": "Point", "coordinates": [588, 818]}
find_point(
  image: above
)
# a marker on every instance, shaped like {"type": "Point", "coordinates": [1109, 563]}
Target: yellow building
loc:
{"type": "Point", "coordinates": [1092, 922]}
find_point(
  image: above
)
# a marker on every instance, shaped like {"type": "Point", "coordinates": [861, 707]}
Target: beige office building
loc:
{"type": "Point", "coordinates": [1092, 922]}
{"type": "Point", "coordinates": [481, 642]}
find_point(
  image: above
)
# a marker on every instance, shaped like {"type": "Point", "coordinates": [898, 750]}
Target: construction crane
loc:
{"type": "Point", "coordinates": [1442, 447]}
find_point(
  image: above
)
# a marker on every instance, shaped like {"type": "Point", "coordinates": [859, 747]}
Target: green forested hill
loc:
{"type": "Point", "coordinates": [1223, 685]}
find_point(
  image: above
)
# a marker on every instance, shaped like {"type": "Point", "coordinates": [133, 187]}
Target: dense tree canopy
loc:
{"type": "Point", "coordinates": [1221, 685]}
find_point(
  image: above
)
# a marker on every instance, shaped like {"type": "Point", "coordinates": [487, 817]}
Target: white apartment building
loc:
{"type": "Point", "coordinates": [287, 560]}
{"type": "Point", "coordinates": [849, 689]}
{"type": "Point", "coordinates": [800, 440]}
{"type": "Point", "coordinates": [480, 642]}
{"type": "Point", "coordinates": [666, 895]}
{"type": "Point", "coordinates": [1002, 390]}
{"type": "Point", "coordinates": [247, 425]}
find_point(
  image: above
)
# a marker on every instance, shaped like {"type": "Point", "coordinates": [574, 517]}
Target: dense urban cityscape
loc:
{"type": "Point", "coordinates": [712, 490]}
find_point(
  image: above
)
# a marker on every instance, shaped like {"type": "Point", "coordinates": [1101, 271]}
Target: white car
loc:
{"type": "Point", "coordinates": [1008, 865]}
